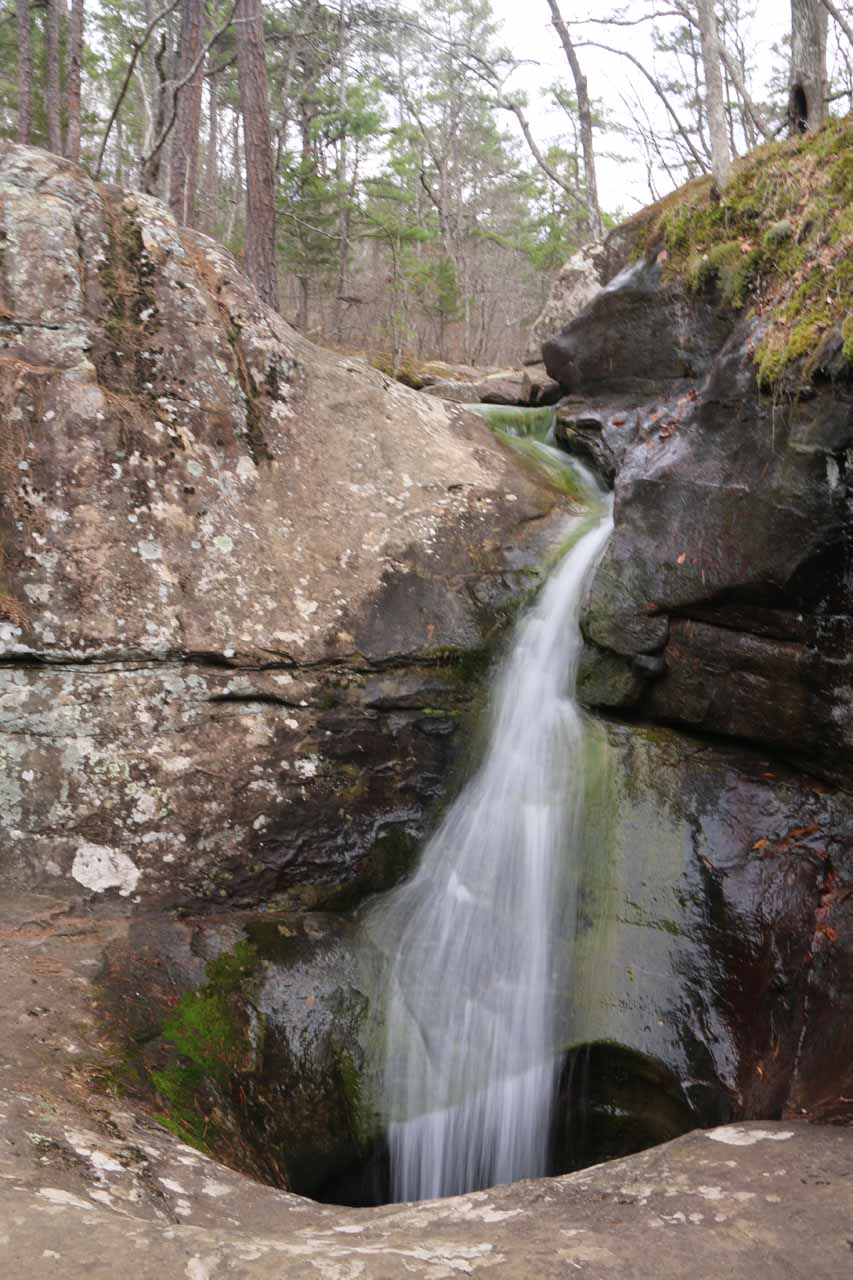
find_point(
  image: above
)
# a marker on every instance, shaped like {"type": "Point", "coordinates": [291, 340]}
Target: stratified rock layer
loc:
{"type": "Point", "coordinates": [236, 570]}
{"type": "Point", "coordinates": [724, 599]}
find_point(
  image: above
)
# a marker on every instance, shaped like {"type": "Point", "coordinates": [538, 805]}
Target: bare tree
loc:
{"type": "Point", "coordinates": [72, 81]}
{"type": "Point", "coordinates": [257, 137]}
{"type": "Point", "coordinates": [714, 103]}
{"type": "Point", "coordinates": [584, 117]}
{"type": "Point", "coordinates": [807, 97]}
{"type": "Point", "coordinates": [52, 97]}
{"type": "Point", "coordinates": [185, 138]}
{"type": "Point", "coordinates": [25, 71]}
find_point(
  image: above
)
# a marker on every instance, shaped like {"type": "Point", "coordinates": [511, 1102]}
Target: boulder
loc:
{"type": "Point", "coordinates": [640, 334]}
{"type": "Point", "coordinates": [529, 388]}
{"type": "Point", "coordinates": [236, 582]}
{"type": "Point", "coordinates": [722, 602]}
{"type": "Point", "coordinates": [575, 285]}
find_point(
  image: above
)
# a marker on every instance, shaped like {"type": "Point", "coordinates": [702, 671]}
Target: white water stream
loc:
{"type": "Point", "coordinates": [469, 1074]}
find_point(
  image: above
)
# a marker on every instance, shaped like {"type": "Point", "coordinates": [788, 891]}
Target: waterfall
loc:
{"type": "Point", "coordinates": [469, 1068]}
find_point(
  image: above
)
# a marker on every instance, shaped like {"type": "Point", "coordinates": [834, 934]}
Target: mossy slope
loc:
{"type": "Point", "coordinates": [778, 243]}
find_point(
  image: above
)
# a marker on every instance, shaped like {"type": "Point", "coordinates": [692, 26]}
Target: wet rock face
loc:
{"type": "Point", "coordinates": [236, 587]}
{"type": "Point", "coordinates": [713, 937]}
{"type": "Point", "coordinates": [708, 981]}
{"type": "Point", "coordinates": [730, 562]}
{"type": "Point", "coordinates": [637, 334]}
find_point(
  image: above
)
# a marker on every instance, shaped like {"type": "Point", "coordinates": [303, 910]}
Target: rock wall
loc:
{"type": "Point", "coordinates": [243, 581]}
{"type": "Point", "coordinates": [723, 602]}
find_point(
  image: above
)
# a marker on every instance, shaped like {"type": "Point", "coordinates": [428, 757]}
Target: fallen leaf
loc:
{"type": "Point", "coordinates": [799, 832]}
{"type": "Point", "coordinates": [681, 558]}
{"type": "Point", "coordinates": [828, 932]}
{"type": "Point", "coordinates": [762, 843]}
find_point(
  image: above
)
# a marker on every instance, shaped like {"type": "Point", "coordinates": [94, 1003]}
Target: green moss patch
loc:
{"type": "Point", "coordinates": [778, 241]}
{"type": "Point", "coordinates": [209, 1042]}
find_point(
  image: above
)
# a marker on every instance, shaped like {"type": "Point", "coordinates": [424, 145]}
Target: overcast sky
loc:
{"type": "Point", "coordinates": [528, 33]}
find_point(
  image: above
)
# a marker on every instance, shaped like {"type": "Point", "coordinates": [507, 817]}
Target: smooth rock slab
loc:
{"type": "Point", "coordinates": [752, 1201]}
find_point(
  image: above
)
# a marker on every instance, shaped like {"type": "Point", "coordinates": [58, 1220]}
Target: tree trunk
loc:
{"type": "Point", "coordinates": [343, 192]}
{"type": "Point", "coordinates": [257, 138]}
{"type": "Point", "coordinates": [185, 135]}
{"type": "Point", "coordinates": [714, 104]}
{"type": "Point", "coordinates": [72, 81]}
{"type": "Point", "coordinates": [584, 119]}
{"type": "Point", "coordinates": [25, 72]}
{"type": "Point", "coordinates": [806, 101]}
{"type": "Point", "coordinates": [211, 164]}
{"type": "Point", "coordinates": [52, 96]}
{"type": "Point", "coordinates": [237, 180]}
{"type": "Point", "coordinates": [152, 161]}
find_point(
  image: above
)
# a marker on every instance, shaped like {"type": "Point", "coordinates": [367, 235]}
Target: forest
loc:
{"type": "Point", "coordinates": [385, 172]}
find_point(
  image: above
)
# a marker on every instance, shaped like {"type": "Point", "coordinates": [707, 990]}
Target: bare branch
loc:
{"type": "Point", "coordinates": [836, 13]}
{"type": "Point", "coordinates": [136, 47]}
{"type": "Point", "coordinates": [177, 85]}
{"type": "Point", "coordinates": [623, 53]}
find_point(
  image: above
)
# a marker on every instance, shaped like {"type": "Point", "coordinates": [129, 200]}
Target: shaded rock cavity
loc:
{"type": "Point", "coordinates": [251, 1042]}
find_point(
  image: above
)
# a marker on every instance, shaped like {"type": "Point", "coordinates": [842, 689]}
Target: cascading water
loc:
{"type": "Point", "coordinates": [469, 1071]}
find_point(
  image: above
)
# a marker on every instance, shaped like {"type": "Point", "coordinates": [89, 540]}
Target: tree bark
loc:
{"type": "Point", "coordinates": [721, 162]}
{"type": "Point", "coordinates": [72, 81]}
{"type": "Point", "coordinates": [807, 95]}
{"type": "Point", "coordinates": [343, 192]}
{"type": "Point", "coordinates": [184, 176]}
{"type": "Point", "coordinates": [257, 139]}
{"type": "Point", "coordinates": [211, 164]}
{"type": "Point", "coordinates": [25, 72]}
{"type": "Point", "coordinates": [52, 96]}
{"type": "Point", "coordinates": [584, 119]}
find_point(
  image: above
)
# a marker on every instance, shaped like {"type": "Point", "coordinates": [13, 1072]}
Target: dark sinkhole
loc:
{"type": "Point", "coordinates": [255, 1054]}
{"type": "Point", "coordinates": [611, 1102]}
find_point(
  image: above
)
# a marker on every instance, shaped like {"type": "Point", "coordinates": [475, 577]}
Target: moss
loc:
{"type": "Point", "coordinates": [361, 1121]}
{"type": "Point", "coordinates": [208, 1037]}
{"type": "Point", "coordinates": [728, 265]}
{"type": "Point", "coordinates": [404, 369]}
{"type": "Point", "coordinates": [466, 666]}
{"type": "Point", "coordinates": [779, 241]}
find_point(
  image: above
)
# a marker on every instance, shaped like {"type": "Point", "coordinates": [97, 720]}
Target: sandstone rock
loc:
{"type": "Point", "coordinates": [455, 392]}
{"type": "Point", "coordinates": [731, 549]}
{"type": "Point", "coordinates": [530, 387]}
{"type": "Point", "coordinates": [713, 931]}
{"type": "Point", "coordinates": [95, 1190]}
{"type": "Point", "coordinates": [213, 534]}
{"type": "Point", "coordinates": [708, 981]}
{"type": "Point", "coordinates": [576, 284]}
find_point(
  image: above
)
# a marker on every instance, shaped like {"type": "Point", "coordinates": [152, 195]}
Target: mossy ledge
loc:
{"type": "Point", "coordinates": [778, 244]}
